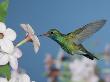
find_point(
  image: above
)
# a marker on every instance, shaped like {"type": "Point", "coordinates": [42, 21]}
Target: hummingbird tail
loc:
{"type": "Point", "coordinates": [91, 56]}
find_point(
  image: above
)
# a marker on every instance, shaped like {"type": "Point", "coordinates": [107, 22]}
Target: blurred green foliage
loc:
{"type": "Point", "coordinates": [3, 10]}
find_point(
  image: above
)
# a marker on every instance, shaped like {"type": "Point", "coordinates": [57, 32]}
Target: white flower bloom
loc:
{"type": "Point", "coordinates": [11, 58]}
{"type": "Point", "coordinates": [88, 61]}
{"type": "Point", "coordinates": [48, 61]}
{"type": "Point", "coordinates": [89, 65]}
{"type": "Point", "coordinates": [19, 77]}
{"type": "Point", "coordinates": [30, 37]}
{"type": "Point", "coordinates": [83, 70]}
{"type": "Point", "coordinates": [77, 78]}
{"type": "Point", "coordinates": [93, 79]}
{"type": "Point", "coordinates": [3, 79]}
{"type": "Point", "coordinates": [76, 66]}
{"type": "Point", "coordinates": [59, 58]}
{"type": "Point", "coordinates": [6, 37]}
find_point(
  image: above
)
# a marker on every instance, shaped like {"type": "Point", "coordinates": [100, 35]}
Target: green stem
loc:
{"type": "Point", "coordinates": [27, 39]}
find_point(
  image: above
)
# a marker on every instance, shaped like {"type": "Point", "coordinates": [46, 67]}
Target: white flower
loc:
{"type": "Point", "coordinates": [3, 79]}
{"type": "Point", "coordinates": [48, 61]}
{"type": "Point", "coordinates": [77, 78]}
{"type": "Point", "coordinates": [30, 36]}
{"type": "Point", "coordinates": [76, 67]}
{"type": "Point", "coordinates": [88, 61]}
{"type": "Point", "coordinates": [89, 65]}
{"type": "Point", "coordinates": [93, 79]}
{"type": "Point", "coordinates": [6, 37]}
{"type": "Point", "coordinates": [59, 58]}
{"type": "Point", "coordinates": [83, 69]}
{"type": "Point", "coordinates": [11, 58]}
{"type": "Point", "coordinates": [19, 77]}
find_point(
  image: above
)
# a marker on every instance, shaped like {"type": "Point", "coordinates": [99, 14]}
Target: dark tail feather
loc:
{"type": "Point", "coordinates": [90, 56]}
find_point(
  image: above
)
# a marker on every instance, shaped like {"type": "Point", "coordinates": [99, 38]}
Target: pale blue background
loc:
{"type": "Point", "coordinates": [66, 15]}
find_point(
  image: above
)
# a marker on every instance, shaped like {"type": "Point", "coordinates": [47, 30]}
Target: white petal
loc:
{"type": "Point", "coordinates": [17, 53]}
{"type": "Point", "coordinates": [10, 34]}
{"type": "Point", "coordinates": [36, 49]}
{"type": "Point", "coordinates": [24, 78]}
{"type": "Point", "coordinates": [3, 80]}
{"type": "Point", "coordinates": [6, 46]}
{"type": "Point", "coordinates": [14, 76]}
{"type": "Point", "coordinates": [14, 73]}
{"type": "Point", "coordinates": [3, 59]}
{"type": "Point", "coordinates": [35, 39]}
{"type": "Point", "coordinates": [13, 62]}
{"type": "Point", "coordinates": [2, 27]}
{"type": "Point", "coordinates": [36, 43]}
{"type": "Point", "coordinates": [13, 79]}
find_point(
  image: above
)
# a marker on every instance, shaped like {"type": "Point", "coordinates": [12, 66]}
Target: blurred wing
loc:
{"type": "Point", "coordinates": [79, 35]}
{"type": "Point", "coordinates": [27, 28]}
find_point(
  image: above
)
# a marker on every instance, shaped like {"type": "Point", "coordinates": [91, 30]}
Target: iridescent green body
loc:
{"type": "Point", "coordinates": [68, 45]}
{"type": "Point", "coordinates": [72, 42]}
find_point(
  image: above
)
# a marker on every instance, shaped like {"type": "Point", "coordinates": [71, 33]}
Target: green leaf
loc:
{"type": "Point", "coordinates": [3, 10]}
{"type": "Point", "coordinates": [5, 69]}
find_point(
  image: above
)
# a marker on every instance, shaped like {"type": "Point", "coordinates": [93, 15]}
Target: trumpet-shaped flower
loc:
{"type": "Point", "coordinates": [30, 36]}
{"type": "Point", "coordinates": [7, 35]}
{"type": "Point", "coordinates": [11, 58]}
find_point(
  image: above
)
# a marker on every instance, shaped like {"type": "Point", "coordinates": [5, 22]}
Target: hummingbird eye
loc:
{"type": "Point", "coordinates": [52, 32]}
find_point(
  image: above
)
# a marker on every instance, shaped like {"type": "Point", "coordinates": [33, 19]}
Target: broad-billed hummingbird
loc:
{"type": "Point", "coordinates": [72, 42]}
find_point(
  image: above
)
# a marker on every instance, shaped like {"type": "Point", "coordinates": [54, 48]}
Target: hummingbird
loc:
{"type": "Point", "coordinates": [72, 42]}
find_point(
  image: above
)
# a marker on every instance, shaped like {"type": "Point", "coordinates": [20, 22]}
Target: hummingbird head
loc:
{"type": "Point", "coordinates": [52, 33]}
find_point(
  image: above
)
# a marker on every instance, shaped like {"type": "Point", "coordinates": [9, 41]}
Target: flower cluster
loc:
{"type": "Point", "coordinates": [83, 70]}
{"type": "Point", "coordinates": [71, 69]}
{"type": "Point", "coordinates": [17, 77]}
{"type": "Point", "coordinates": [9, 53]}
